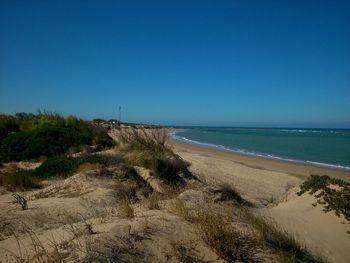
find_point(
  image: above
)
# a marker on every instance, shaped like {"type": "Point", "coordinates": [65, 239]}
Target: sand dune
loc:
{"type": "Point", "coordinates": [271, 186]}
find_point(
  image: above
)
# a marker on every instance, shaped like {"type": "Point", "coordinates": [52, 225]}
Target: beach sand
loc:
{"type": "Point", "coordinates": [271, 185]}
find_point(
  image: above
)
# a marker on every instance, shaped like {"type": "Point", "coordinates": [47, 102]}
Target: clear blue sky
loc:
{"type": "Point", "coordinates": [236, 63]}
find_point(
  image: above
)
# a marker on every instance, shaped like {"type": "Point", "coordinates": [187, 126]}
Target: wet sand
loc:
{"type": "Point", "coordinates": [296, 169]}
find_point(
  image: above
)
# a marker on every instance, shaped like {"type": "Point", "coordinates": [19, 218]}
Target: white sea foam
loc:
{"type": "Point", "coordinates": [307, 131]}
{"type": "Point", "coordinates": [173, 135]}
{"type": "Point", "coordinates": [329, 165]}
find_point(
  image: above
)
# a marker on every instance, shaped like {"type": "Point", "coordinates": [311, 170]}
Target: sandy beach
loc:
{"type": "Point", "coordinates": [296, 169]}
{"type": "Point", "coordinates": [271, 186]}
{"type": "Point", "coordinates": [124, 210]}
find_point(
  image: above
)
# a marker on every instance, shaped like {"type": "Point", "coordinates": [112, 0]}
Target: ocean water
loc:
{"type": "Point", "coordinates": [326, 147]}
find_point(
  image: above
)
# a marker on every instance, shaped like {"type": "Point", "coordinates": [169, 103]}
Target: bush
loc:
{"type": "Point", "coordinates": [30, 121]}
{"type": "Point", "coordinates": [56, 166]}
{"type": "Point", "coordinates": [100, 137]}
{"type": "Point", "coordinates": [148, 149]}
{"type": "Point", "coordinates": [65, 166]}
{"type": "Point", "coordinates": [48, 140]}
{"type": "Point", "coordinates": [20, 179]}
{"type": "Point", "coordinates": [13, 146]}
{"type": "Point", "coordinates": [230, 193]}
{"type": "Point", "coordinates": [151, 140]}
{"type": "Point", "coordinates": [337, 198]}
{"type": "Point", "coordinates": [8, 124]}
{"type": "Point", "coordinates": [46, 134]}
{"type": "Point", "coordinates": [62, 166]}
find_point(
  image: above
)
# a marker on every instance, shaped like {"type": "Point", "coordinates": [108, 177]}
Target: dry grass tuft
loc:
{"type": "Point", "coordinates": [38, 250]}
{"type": "Point", "coordinates": [185, 253]}
{"type": "Point", "coordinates": [269, 234]}
{"type": "Point", "coordinates": [127, 190]}
{"type": "Point", "coordinates": [19, 180]}
{"type": "Point", "coordinates": [153, 201]}
{"type": "Point", "coordinates": [118, 249]}
{"type": "Point", "coordinates": [154, 140]}
{"type": "Point", "coordinates": [178, 207]}
{"type": "Point", "coordinates": [125, 208]}
{"type": "Point", "coordinates": [218, 232]}
{"type": "Point", "coordinates": [148, 149]}
{"type": "Point", "coordinates": [228, 192]}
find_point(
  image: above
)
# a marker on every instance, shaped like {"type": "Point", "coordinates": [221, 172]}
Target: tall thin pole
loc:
{"type": "Point", "coordinates": [120, 115]}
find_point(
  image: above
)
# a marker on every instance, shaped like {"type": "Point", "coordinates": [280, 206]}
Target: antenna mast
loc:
{"type": "Point", "coordinates": [120, 115]}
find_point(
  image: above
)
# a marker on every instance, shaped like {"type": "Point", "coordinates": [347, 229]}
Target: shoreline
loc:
{"type": "Point", "coordinates": [271, 186]}
{"type": "Point", "coordinates": [299, 169]}
{"type": "Point", "coordinates": [264, 156]}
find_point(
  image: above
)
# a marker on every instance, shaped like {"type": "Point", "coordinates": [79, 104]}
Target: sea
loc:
{"type": "Point", "coordinates": [322, 147]}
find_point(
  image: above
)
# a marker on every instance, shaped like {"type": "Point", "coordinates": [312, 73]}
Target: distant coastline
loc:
{"type": "Point", "coordinates": [307, 165]}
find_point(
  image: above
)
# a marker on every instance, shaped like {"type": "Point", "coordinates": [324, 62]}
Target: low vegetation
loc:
{"type": "Point", "coordinates": [153, 201]}
{"type": "Point", "coordinates": [270, 234]}
{"type": "Point", "coordinates": [57, 166]}
{"type": "Point", "coordinates": [8, 124]}
{"type": "Point", "coordinates": [65, 166]}
{"type": "Point", "coordinates": [19, 180]}
{"type": "Point", "coordinates": [219, 233]}
{"type": "Point", "coordinates": [186, 253]}
{"type": "Point", "coordinates": [229, 193]}
{"type": "Point", "coordinates": [125, 208]}
{"type": "Point", "coordinates": [28, 136]}
{"type": "Point", "coordinates": [333, 193]}
{"type": "Point", "coordinates": [149, 149]}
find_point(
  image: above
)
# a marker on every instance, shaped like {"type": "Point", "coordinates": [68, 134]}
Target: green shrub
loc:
{"type": "Point", "coordinates": [8, 124]}
{"type": "Point", "coordinates": [47, 140]}
{"type": "Point", "coordinates": [65, 166]}
{"type": "Point", "coordinates": [100, 158]}
{"type": "Point", "coordinates": [21, 179]}
{"type": "Point", "coordinates": [30, 121]}
{"type": "Point", "coordinates": [62, 166]}
{"type": "Point", "coordinates": [336, 198]}
{"type": "Point", "coordinates": [46, 134]}
{"type": "Point", "coordinates": [57, 166]}
{"type": "Point", "coordinates": [166, 166]}
{"type": "Point", "coordinates": [167, 169]}
{"type": "Point", "coordinates": [14, 146]}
